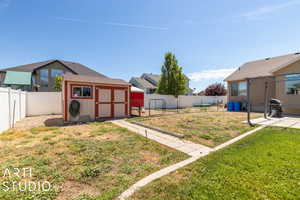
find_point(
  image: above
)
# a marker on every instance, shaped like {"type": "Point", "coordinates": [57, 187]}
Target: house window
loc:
{"type": "Point", "coordinates": [151, 90]}
{"type": "Point", "coordinates": [56, 72]}
{"type": "Point", "coordinates": [33, 79]}
{"type": "Point", "coordinates": [44, 76]}
{"type": "Point", "coordinates": [242, 88]}
{"type": "Point", "coordinates": [292, 84]}
{"type": "Point", "coordinates": [81, 91]}
{"type": "Point", "coordinates": [239, 88]}
{"type": "Point", "coordinates": [234, 89]}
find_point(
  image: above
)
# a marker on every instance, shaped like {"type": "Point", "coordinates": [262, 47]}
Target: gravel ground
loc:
{"type": "Point", "coordinates": [43, 120]}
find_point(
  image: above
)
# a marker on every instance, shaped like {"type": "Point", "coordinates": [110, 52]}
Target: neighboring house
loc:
{"type": "Point", "coordinates": [41, 74]}
{"type": "Point", "coordinates": [149, 83]}
{"type": "Point", "coordinates": [282, 76]}
{"type": "Point", "coordinates": [143, 84]}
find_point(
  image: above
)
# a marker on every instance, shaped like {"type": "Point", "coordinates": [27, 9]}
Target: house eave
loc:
{"type": "Point", "coordinates": [285, 65]}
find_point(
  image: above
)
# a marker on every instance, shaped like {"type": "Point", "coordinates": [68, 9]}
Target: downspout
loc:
{"type": "Point", "coordinates": [248, 103]}
{"type": "Point", "coordinates": [266, 100]}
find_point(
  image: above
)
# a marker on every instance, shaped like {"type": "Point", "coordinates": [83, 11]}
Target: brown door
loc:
{"type": "Point", "coordinates": [111, 102]}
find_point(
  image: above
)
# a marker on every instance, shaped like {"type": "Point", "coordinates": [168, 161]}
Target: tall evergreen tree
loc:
{"type": "Point", "coordinates": [173, 81]}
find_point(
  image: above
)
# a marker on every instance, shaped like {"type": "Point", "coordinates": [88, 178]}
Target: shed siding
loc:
{"type": "Point", "coordinates": [87, 107]}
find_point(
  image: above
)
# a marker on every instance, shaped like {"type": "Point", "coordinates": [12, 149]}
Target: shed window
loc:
{"type": "Point", "coordinates": [292, 84]}
{"type": "Point", "coordinates": [239, 88]}
{"type": "Point", "coordinates": [82, 91]}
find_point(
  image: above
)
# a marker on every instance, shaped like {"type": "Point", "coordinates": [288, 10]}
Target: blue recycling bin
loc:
{"type": "Point", "coordinates": [230, 106]}
{"type": "Point", "coordinates": [237, 106]}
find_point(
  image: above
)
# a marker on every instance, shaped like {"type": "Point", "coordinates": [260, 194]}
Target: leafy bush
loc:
{"type": "Point", "coordinates": [216, 89]}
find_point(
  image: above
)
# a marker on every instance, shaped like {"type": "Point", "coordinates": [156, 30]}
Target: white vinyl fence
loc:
{"type": "Point", "coordinates": [15, 104]}
{"type": "Point", "coordinates": [12, 107]}
{"type": "Point", "coordinates": [169, 101]}
{"type": "Point", "coordinates": [43, 103]}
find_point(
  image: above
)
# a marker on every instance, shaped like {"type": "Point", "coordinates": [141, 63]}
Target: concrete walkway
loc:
{"type": "Point", "coordinates": [290, 122]}
{"type": "Point", "coordinates": [196, 151]}
{"type": "Point", "coordinates": [184, 146]}
{"type": "Point", "coordinates": [127, 193]}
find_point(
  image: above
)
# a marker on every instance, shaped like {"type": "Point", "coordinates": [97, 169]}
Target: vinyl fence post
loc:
{"type": "Point", "coordinates": [177, 104]}
{"type": "Point", "coordinates": [14, 110]}
{"type": "Point", "coordinates": [149, 106]}
{"type": "Point", "coordinates": [9, 107]}
{"type": "Point", "coordinates": [20, 105]}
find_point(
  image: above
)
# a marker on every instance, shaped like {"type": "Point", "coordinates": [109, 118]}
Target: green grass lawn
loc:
{"type": "Point", "coordinates": [265, 165]}
{"type": "Point", "coordinates": [207, 128]}
{"type": "Point", "coordinates": [82, 162]}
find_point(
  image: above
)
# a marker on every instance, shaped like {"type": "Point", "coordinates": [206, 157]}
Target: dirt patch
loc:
{"type": "Point", "coordinates": [150, 156]}
{"type": "Point", "coordinates": [70, 190]}
{"type": "Point", "coordinates": [109, 136]}
{"type": "Point", "coordinates": [35, 121]}
{"type": "Point", "coordinates": [207, 142]}
{"type": "Point", "coordinates": [78, 130]}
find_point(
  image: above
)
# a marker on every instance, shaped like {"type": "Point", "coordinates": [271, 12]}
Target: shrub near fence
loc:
{"type": "Point", "coordinates": [12, 107]}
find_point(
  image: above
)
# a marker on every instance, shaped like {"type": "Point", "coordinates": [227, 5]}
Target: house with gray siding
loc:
{"type": "Point", "coordinates": [43, 74]}
{"type": "Point", "coordinates": [149, 83]}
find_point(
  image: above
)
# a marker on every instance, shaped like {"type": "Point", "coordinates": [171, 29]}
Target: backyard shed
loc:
{"type": "Point", "coordinates": [98, 97]}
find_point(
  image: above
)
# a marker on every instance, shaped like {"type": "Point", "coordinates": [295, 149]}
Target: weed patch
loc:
{"type": "Point", "coordinates": [42, 129]}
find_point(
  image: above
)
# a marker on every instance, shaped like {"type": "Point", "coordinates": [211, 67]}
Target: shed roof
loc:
{"type": "Point", "coordinates": [263, 67]}
{"type": "Point", "coordinates": [94, 79]}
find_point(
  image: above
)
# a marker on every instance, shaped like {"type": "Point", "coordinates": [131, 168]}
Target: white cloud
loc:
{"type": "Point", "coordinates": [113, 24]}
{"type": "Point", "coordinates": [211, 74]}
{"type": "Point", "coordinates": [270, 9]}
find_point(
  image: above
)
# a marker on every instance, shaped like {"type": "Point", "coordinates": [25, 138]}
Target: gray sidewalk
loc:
{"type": "Point", "coordinates": [184, 146]}
{"type": "Point", "coordinates": [289, 122]}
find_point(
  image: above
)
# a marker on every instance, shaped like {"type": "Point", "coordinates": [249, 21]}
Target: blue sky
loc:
{"type": "Point", "coordinates": [122, 38]}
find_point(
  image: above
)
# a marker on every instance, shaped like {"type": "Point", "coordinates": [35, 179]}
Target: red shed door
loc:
{"type": "Point", "coordinates": [111, 102]}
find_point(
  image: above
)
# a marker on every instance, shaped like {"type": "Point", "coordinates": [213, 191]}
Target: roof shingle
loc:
{"type": "Point", "coordinates": [262, 68]}
{"type": "Point", "coordinates": [143, 82]}
{"type": "Point", "coordinates": [94, 79]}
{"type": "Point", "coordinates": [73, 66]}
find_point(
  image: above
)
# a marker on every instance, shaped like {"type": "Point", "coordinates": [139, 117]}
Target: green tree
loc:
{"type": "Point", "coordinates": [172, 81]}
{"type": "Point", "coordinates": [58, 83]}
